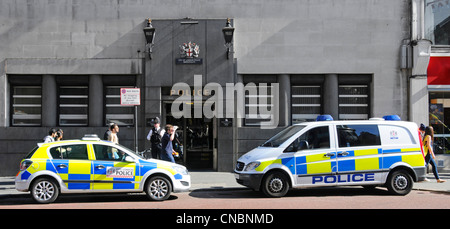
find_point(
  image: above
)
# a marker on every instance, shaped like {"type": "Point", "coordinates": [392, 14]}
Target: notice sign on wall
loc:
{"type": "Point", "coordinates": [130, 96]}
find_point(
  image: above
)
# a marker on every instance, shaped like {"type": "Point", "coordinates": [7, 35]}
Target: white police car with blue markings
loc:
{"type": "Point", "coordinates": [92, 165]}
{"type": "Point", "coordinates": [377, 152]}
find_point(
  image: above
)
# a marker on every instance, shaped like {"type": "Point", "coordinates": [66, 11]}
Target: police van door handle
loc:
{"type": "Point", "coordinates": [343, 153]}
{"type": "Point", "coordinates": [100, 166]}
{"type": "Point", "coordinates": [329, 154]}
{"type": "Point", "coordinates": [62, 166]}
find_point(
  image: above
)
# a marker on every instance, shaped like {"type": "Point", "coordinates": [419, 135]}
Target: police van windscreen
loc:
{"type": "Point", "coordinates": [281, 137]}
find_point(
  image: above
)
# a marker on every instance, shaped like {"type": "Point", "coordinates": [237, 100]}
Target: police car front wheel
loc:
{"type": "Point", "coordinates": [158, 188]}
{"type": "Point", "coordinates": [399, 182]}
{"type": "Point", "coordinates": [275, 184]}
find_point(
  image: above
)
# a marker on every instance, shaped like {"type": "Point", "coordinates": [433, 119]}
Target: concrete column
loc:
{"type": "Point", "coordinates": [418, 100]}
{"type": "Point", "coordinates": [331, 96]}
{"type": "Point", "coordinates": [49, 101]}
{"type": "Point", "coordinates": [240, 121]}
{"type": "Point", "coordinates": [96, 101]}
{"type": "Point", "coordinates": [284, 81]}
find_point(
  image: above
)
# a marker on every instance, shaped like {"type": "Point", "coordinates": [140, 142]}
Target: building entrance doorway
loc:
{"type": "Point", "coordinates": [196, 137]}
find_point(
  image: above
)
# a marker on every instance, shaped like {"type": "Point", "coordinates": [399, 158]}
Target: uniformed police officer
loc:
{"type": "Point", "coordinates": [154, 136]}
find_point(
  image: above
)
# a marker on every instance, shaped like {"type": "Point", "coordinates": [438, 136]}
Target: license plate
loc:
{"type": "Point", "coordinates": [236, 176]}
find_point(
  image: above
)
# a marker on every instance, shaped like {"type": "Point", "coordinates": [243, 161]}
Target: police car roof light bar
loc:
{"type": "Point", "coordinates": [325, 117]}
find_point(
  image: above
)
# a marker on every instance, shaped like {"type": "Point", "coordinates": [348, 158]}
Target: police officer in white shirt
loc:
{"type": "Point", "coordinates": [154, 136]}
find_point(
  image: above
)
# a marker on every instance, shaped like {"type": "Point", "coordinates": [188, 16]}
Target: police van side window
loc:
{"type": "Point", "coordinates": [316, 138]}
{"type": "Point", "coordinates": [358, 135]}
{"type": "Point", "coordinates": [70, 152]}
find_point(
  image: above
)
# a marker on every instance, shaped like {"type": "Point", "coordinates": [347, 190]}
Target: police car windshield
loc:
{"type": "Point", "coordinates": [129, 151]}
{"type": "Point", "coordinates": [281, 137]}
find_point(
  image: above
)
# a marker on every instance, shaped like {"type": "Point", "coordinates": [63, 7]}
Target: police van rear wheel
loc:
{"type": "Point", "coordinates": [399, 182]}
{"type": "Point", "coordinates": [158, 188]}
{"type": "Point", "coordinates": [275, 185]}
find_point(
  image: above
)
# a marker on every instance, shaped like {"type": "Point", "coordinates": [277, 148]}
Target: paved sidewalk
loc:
{"type": "Point", "coordinates": [222, 180]}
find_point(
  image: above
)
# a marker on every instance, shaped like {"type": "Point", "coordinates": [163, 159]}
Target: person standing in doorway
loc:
{"type": "Point", "coordinates": [167, 146]}
{"type": "Point", "coordinates": [429, 154]}
{"type": "Point", "coordinates": [154, 136]}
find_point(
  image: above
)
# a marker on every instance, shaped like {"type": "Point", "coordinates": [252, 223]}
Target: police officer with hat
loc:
{"type": "Point", "coordinates": [155, 136]}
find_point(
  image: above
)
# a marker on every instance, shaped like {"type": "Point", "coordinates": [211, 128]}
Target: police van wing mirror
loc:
{"type": "Point", "coordinates": [129, 159]}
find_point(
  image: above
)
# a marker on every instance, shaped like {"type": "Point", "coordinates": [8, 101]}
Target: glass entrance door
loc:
{"type": "Point", "coordinates": [195, 135]}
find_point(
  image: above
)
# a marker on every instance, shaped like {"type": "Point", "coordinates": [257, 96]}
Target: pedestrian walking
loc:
{"type": "Point", "coordinates": [113, 153]}
{"type": "Point", "coordinates": [108, 131]}
{"type": "Point", "coordinates": [154, 136]}
{"type": "Point", "coordinates": [167, 146]}
{"type": "Point", "coordinates": [429, 154]}
{"type": "Point", "coordinates": [422, 131]}
{"type": "Point", "coordinates": [51, 136]}
{"type": "Point", "coordinates": [59, 135]}
{"type": "Point", "coordinates": [113, 136]}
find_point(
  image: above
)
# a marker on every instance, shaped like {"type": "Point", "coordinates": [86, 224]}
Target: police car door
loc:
{"type": "Point", "coordinates": [111, 171]}
{"type": "Point", "coordinates": [73, 165]}
{"type": "Point", "coordinates": [315, 158]}
{"type": "Point", "coordinates": [358, 154]}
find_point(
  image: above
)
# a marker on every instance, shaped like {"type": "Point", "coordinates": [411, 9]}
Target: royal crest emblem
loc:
{"type": "Point", "coordinates": [189, 50]}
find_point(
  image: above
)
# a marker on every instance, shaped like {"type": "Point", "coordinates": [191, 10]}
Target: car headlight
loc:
{"type": "Point", "coordinates": [180, 169]}
{"type": "Point", "coordinates": [252, 165]}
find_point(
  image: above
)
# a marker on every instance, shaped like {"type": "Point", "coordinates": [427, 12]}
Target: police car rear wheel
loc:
{"type": "Point", "coordinates": [275, 185]}
{"type": "Point", "coordinates": [399, 182]}
{"type": "Point", "coordinates": [44, 191]}
{"type": "Point", "coordinates": [158, 188]}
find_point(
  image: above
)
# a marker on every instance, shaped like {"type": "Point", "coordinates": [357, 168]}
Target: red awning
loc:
{"type": "Point", "coordinates": [439, 70]}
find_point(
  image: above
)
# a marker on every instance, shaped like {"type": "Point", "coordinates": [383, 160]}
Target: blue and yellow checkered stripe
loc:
{"type": "Point", "coordinates": [102, 181]}
{"type": "Point", "coordinates": [315, 164]}
{"type": "Point", "coordinates": [355, 160]}
{"type": "Point", "coordinates": [85, 174]}
{"type": "Point", "coordinates": [360, 160]}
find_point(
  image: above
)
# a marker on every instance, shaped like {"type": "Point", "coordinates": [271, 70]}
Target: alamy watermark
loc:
{"type": "Point", "coordinates": [227, 102]}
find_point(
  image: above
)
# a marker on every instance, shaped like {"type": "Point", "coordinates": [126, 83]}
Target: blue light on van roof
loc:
{"type": "Point", "coordinates": [392, 118]}
{"type": "Point", "coordinates": [324, 118]}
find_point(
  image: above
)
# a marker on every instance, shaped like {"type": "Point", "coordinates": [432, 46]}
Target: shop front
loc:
{"type": "Point", "coordinates": [438, 81]}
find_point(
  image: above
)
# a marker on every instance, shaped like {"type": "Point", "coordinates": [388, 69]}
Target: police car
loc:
{"type": "Point", "coordinates": [377, 152]}
{"type": "Point", "coordinates": [92, 165]}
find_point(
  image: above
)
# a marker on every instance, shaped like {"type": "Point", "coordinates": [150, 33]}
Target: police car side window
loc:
{"type": "Point", "coordinates": [108, 153]}
{"type": "Point", "coordinates": [70, 152]}
{"type": "Point", "coordinates": [316, 138]}
{"type": "Point", "coordinates": [358, 135]}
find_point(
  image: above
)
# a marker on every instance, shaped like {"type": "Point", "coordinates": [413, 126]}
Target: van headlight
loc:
{"type": "Point", "coordinates": [252, 165]}
{"type": "Point", "coordinates": [180, 169]}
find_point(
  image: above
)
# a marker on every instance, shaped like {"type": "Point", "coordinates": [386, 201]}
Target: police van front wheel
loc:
{"type": "Point", "coordinates": [399, 182]}
{"type": "Point", "coordinates": [275, 184]}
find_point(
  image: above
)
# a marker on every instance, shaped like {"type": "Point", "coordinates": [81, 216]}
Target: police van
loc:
{"type": "Point", "coordinates": [376, 152]}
